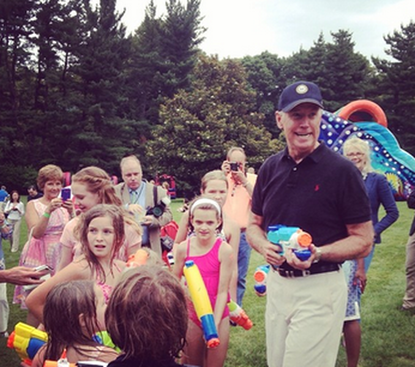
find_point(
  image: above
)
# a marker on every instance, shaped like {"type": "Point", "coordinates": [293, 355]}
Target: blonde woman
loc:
{"type": "Point", "coordinates": [379, 192]}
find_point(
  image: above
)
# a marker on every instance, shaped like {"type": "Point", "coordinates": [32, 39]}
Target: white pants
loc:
{"type": "Point", "coordinates": [4, 308]}
{"type": "Point", "coordinates": [15, 239]}
{"type": "Point", "coordinates": [304, 319]}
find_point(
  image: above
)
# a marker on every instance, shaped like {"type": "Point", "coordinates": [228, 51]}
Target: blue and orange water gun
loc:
{"type": "Point", "coordinates": [292, 238]}
{"type": "Point", "coordinates": [201, 303]}
{"type": "Point", "coordinates": [260, 277]}
{"type": "Point", "coordinates": [26, 341]}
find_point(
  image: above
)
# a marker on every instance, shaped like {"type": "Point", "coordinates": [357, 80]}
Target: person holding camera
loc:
{"type": "Point", "coordinates": [148, 203]}
{"type": "Point", "coordinates": [238, 206]}
{"type": "Point", "coordinates": [15, 210]}
{"type": "Point", "coordinates": [45, 218]}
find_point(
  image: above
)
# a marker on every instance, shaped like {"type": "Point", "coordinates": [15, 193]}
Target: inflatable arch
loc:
{"type": "Point", "coordinates": [366, 120]}
{"type": "Point", "coordinates": [363, 110]}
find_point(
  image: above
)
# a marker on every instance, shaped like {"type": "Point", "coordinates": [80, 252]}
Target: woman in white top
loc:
{"type": "Point", "coordinates": [14, 211]}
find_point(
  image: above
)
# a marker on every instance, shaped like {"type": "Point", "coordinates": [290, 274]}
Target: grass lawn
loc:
{"type": "Point", "coordinates": [388, 334]}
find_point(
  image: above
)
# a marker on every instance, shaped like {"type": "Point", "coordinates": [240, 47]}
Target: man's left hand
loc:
{"type": "Point", "coordinates": [296, 263]}
{"type": "Point", "coordinates": [239, 177]}
{"type": "Point", "coordinates": [360, 279]}
{"type": "Point", "coordinates": [147, 220]}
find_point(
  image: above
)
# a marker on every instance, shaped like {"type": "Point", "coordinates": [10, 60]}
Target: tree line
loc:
{"type": "Point", "coordinates": [76, 90]}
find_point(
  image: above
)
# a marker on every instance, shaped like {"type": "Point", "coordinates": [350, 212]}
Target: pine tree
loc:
{"type": "Point", "coordinates": [397, 84]}
{"type": "Point", "coordinates": [165, 53]}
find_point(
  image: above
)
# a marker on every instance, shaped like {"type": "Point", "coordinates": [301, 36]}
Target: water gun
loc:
{"type": "Point", "coordinates": [62, 362]}
{"type": "Point", "coordinates": [137, 259]}
{"type": "Point", "coordinates": [260, 277]}
{"type": "Point", "coordinates": [291, 238]}
{"type": "Point", "coordinates": [26, 340]}
{"type": "Point", "coordinates": [103, 338]}
{"type": "Point", "coordinates": [201, 303]}
{"type": "Point", "coordinates": [239, 316]}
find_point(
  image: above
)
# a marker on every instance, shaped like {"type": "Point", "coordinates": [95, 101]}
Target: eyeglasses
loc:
{"type": "Point", "coordinates": [354, 154]}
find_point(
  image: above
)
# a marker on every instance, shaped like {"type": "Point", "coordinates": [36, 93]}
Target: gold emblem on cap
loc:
{"type": "Point", "coordinates": [301, 89]}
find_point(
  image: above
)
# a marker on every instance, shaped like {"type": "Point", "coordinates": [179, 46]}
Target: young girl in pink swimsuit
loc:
{"type": "Point", "coordinates": [214, 185]}
{"type": "Point", "coordinates": [101, 233]}
{"type": "Point", "coordinates": [215, 259]}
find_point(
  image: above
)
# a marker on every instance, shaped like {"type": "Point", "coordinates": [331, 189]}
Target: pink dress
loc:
{"type": "Point", "coordinates": [45, 250]}
{"type": "Point", "coordinates": [69, 241]}
{"type": "Point", "coordinates": [209, 267]}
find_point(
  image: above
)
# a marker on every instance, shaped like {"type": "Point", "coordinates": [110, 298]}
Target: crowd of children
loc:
{"type": "Point", "coordinates": [149, 315]}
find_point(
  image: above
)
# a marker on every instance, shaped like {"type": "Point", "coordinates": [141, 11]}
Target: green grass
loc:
{"type": "Point", "coordinates": [388, 336]}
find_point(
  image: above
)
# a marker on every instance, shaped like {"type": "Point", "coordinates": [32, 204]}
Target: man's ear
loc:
{"type": "Point", "coordinates": [278, 120]}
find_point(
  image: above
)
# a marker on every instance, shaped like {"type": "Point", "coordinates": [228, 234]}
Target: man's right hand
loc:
{"type": "Point", "coordinates": [226, 167]}
{"type": "Point", "coordinates": [271, 256]}
{"type": "Point", "coordinates": [22, 275]}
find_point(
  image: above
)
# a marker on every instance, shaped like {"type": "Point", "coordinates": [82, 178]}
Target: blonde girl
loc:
{"type": "Point", "coordinates": [92, 186]}
{"type": "Point", "coordinates": [101, 234]}
{"type": "Point", "coordinates": [216, 260]}
{"type": "Point", "coordinates": [74, 311]}
{"type": "Point", "coordinates": [214, 185]}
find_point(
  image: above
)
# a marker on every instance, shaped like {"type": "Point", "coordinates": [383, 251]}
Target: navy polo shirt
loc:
{"type": "Point", "coordinates": [321, 194]}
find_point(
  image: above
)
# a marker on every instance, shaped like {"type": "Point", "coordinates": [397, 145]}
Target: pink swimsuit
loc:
{"type": "Point", "coordinates": [209, 267]}
{"type": "Point", "coordinates": [106, 289]}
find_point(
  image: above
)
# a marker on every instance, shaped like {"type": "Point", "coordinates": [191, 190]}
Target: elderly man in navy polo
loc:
{"type": "Point", "coordinates": [311, 187]}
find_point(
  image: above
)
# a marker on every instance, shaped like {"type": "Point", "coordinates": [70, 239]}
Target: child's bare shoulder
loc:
{"type": "Point", "coordinates": [99, 353]}
{"type": "Point", "coordinates": [77, 269]}
{"type": "Point", "coordinates": [225, 248]}
{"type": "Point", "coordinates": [107, 354]}
{"type": "Point", "coordinates": [181, 247]}
{"type": "Point", "coordinates": [120, 264]}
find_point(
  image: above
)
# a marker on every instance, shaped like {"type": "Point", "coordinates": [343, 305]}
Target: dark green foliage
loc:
{"type": "Point", "coordinates": [76, 91]}
{"type": "Point", "coordinates": [341, 73]}
{"type": "Point", "coordinates": [199, 126]}
{"type": "Point", "coordinates": [396, 85]}
{"type": "Point", "coordinates": [264, 74]}
{"type": "Point", "coordinates": [164, 55]}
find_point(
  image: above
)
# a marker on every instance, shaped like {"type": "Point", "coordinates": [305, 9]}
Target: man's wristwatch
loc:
{"type": "Point", "coordinates": [318, 255]}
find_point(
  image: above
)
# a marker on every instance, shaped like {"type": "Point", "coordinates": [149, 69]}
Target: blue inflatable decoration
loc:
{"type": "Point", "coordinates": [387, 156]}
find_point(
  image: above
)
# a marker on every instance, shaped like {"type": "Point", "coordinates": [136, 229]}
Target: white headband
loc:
{"type": "Point", "coordinates": [205, 201]}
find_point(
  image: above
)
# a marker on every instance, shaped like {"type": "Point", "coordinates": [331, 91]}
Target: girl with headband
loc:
{"type": "Point", "coordinates": [214, 185]}
{"type": "Point", "coordinates": [215, 259]}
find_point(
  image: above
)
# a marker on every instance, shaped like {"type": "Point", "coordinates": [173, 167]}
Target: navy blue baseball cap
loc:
{"type": "Point", "coordinates": [297, 93]}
